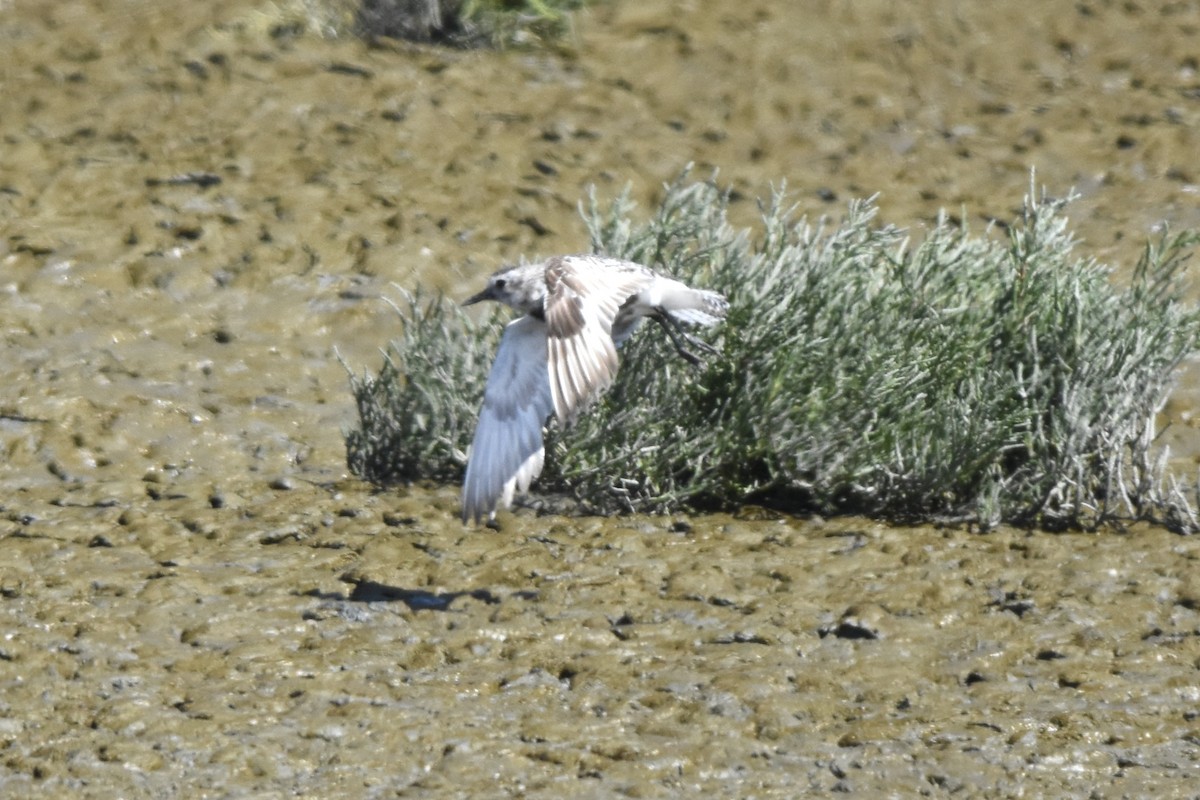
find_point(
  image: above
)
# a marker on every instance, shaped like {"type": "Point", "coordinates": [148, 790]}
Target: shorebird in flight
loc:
{"type": "Point", "coordinates": [563, 353]}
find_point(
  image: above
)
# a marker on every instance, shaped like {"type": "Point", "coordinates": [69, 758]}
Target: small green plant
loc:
{"type": "Point", "coordinates": [966, 377]}
{"type": "Point", "coordinates": [522, 21]}
{"type": "Point", "coordinates": [417, 416]}
{"type": "Point", "coordinates": [456, 23]}
{"type": "Point", "coordinates": [466, 23]}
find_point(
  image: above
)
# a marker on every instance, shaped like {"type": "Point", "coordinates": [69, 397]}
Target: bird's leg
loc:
{"type": "Point", "coordinates": [678, 336]}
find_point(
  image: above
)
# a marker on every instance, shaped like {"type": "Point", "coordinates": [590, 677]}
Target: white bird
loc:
{"type": "Point", "coordinates": [561, 355]}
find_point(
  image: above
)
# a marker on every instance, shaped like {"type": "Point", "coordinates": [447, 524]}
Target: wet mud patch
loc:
{"type": "Point", "coordinates": [194, 594]}
{"type": "Point", "coordinates": [282, 651]}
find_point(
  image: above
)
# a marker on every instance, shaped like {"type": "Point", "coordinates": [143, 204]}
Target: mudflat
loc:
{"type": "Point", "coordinates": [202, 209]}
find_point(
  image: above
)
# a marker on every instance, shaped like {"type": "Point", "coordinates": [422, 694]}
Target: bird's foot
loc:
{"type": "Point", "coordinates": [679, 336]}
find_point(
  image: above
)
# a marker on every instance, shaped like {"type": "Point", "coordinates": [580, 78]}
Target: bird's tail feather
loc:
{"type": "Point", "coordinates": [696, 306]}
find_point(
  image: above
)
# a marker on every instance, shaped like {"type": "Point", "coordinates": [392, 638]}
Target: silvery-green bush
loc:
{"type": "Point", "coordinates": [969, 376]}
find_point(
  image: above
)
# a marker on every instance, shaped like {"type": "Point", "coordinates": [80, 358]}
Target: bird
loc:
{"type": "Point", "coordinates": [561, 354]}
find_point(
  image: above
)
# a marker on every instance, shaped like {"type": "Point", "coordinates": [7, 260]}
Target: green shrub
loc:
{"type": "Point", "coordinates": [454, 23]}
{"type": "Point", "coordinates": [967, 377]}
{"type": "Point", "coordinates": [466, 23]}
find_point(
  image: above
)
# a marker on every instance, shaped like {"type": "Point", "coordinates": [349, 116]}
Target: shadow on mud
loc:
{"type": "Point", "coordinates": [367, 591]}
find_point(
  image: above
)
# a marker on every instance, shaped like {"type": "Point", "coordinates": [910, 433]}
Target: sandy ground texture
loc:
{"type": "Point", "coordinates": [199, 212]}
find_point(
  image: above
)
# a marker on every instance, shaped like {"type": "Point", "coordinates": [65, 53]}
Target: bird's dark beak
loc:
{"type": "Point", "coordinates": [486, 294]}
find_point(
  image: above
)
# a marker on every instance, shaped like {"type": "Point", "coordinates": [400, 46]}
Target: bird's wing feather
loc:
{"type": "Point", "coordinates": [507, 452]}
{"type": "Point", "coordinates": [583, 296]}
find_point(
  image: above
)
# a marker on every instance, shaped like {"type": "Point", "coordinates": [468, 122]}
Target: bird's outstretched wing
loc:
{"type": "Point", "coordinates": [583, 296]}
{"type": "Point", "coordinates": [507, 452]}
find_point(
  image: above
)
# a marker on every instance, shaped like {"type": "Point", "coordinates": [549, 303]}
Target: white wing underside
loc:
{"type": "Point", "coordinates": [507, 452]}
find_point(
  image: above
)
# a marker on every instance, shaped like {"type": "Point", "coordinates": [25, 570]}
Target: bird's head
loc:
{"type": "Point", "coordinates": [523, 288]}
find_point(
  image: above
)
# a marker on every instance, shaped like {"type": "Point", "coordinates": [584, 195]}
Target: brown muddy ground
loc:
{"type": "Point", "coordinates": [198, 600]}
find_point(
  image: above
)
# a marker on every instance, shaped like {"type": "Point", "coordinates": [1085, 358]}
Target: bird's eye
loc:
{"type": "Point", "coordinates": [499, 284]}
